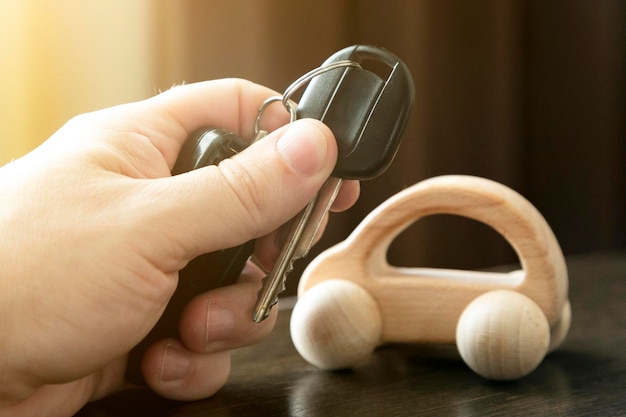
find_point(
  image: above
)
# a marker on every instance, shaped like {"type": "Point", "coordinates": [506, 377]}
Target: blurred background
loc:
{"type": "Point", "coordinates": [528, 93]}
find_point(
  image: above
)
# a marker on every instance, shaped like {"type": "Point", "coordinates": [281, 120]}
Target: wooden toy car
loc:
{"type": "Point", "coordinates": [351, 300]}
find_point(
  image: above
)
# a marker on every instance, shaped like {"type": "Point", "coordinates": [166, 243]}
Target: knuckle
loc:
{"type": "Point", "coordinates": [245, 187]}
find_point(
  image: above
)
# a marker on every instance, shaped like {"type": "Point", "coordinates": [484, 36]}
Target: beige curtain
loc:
{"type": "Point", "coordinates": [528, 93]}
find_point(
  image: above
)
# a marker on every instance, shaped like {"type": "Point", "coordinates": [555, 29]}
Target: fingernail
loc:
{"type": "Point", "coordinates": [219, 324]}
{"type": "Point", "coordinates": [175, 364]}
{"type": "Point", "coordinates": [304, 147]}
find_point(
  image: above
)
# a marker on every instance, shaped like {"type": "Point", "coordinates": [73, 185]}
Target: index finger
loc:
{"type": "Point", "coordinates": [231, 104]}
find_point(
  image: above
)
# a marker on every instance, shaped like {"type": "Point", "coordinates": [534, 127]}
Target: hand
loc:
{"type": "Point", "coordinates": [94, 229]}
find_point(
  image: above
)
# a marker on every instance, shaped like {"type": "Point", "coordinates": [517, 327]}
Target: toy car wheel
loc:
{"type": "Point", "coordinates": [336, 325]}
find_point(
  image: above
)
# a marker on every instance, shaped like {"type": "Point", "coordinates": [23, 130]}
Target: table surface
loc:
{"type": "Point", "coordinates": [585, 376]}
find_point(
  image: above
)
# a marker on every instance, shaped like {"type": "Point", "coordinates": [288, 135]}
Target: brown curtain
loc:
{"type": "Point", "coordinates": [528, 93]}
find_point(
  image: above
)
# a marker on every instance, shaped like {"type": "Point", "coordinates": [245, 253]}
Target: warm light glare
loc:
{"type": "Point", "coordinates": [65, 57]}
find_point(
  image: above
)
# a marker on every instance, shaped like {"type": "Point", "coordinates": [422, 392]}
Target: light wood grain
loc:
{"type": "Point", "coordinates": [423, 305]}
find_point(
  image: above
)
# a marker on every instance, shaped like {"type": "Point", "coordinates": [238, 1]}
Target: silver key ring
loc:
{"type": "Point", "coordinates": [297, 84]}
{"type": "Point", "coordinates": [289, 104]}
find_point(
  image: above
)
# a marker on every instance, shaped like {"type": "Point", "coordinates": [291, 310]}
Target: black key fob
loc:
{"type": "Point", "coordinates": [216, 269]}
{"type": "Point", "coordinates": [367, 108]}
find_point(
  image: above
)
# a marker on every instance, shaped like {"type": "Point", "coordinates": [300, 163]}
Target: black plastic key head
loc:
{"type": "Point", "coordinates": [207, 146]}
{"type": "Point", "coordinates": [367, 112]}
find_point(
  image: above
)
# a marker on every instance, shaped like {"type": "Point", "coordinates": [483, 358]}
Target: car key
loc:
{"type": "Point", "coordinates": [203, 147]}
{"type": "Point", "coordinates": [367, 114]}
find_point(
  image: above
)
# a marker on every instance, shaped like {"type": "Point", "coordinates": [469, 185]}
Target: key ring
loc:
{"type": "Point", "coordinates": [297, 84]}
{"type": "Point", "coordinates": [289, 104]}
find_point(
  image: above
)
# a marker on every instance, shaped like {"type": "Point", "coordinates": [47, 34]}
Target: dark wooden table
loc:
{"type": "Point", "coordinates": [585, 377]}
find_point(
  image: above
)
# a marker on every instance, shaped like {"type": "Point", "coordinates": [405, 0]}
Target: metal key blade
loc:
{"type": "Point", "coordinates": [299, 241]}
{"type": "Point", "coordinates": [323, 202]}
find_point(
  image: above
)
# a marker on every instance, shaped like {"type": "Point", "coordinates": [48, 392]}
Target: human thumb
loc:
{"type": "Point", "coordinates": [252, 193]}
